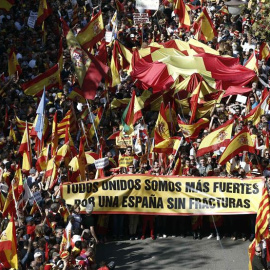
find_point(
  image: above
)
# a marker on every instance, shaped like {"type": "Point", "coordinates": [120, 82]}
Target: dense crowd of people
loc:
{"type": "Point", "coordinates": [40, 225]}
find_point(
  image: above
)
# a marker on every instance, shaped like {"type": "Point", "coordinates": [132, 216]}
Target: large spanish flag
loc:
{"type": "Point", "coordinates": [192, 130]}
{"type": "Point", "coordinates": [181, 10]}
{"type": "Point", "coordinates": [6, 4]}
{"type": "Point", "coordinates": [88, 68]}
{"type": "Point", "coordinates": [48, 79]}
{"type": "Point", "coordinates": [241, 142]}
{"type": "Point", "coordinates": [219, 137]}
{"type": "Point", "coordinates": [8, 246]}
{"type": "Point", "coordinates": [204, 28]}
{"type": "Point", "coordinates": [13, 64]}
{"type": "Point", "coordinates": [92, 33]}
{"type": "Point", "coordinates": [43, 11]}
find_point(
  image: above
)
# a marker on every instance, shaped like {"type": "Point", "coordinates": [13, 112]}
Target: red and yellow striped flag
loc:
{"type": "Point", "coordinates": [67, 122]}
{"type": "Point", "coordinates": [192, 131]}
{"type": "Point", "coordinates": [181, 10]}
{"type": "Point", "coordinates": [252, 63]}
{"type": "Point", "coordinates": [13, 64]}
{"type": "Point", "coordinates": [219, 137]}
{"type": "Point", "coordinates": [7, 4]}
{"type": "Point", "coordinates": [43, 12]}
{"type": "Point", "coordinates": [161, 130]}
{"type": "Point", "coordinates": [8, 246]}
{"type": "Point", "coordinates": [168, 146]}
{"type": "Point", "coordinates": [262, 223]}
{"type": "Point", "coordinates": [92, 33]}
{"type": "Point", "coordinates": [42, 160]}
{"type": "Point", "coordinates": [12, 135]}
{"type": "Point", "coordinates": [241, 142]}
{"type": "Point", "coordinates": [75, 18]}
{"type": "Point", "coordinates": [26, 151]}
{"type": "Point", "coordinates": [264, 51]}
{"type": "Point", "coordinates": [21, 125]}
{"type": "Point", "coordinates": [204, 28]}
{"type": "Point", "coordinates": [48, 79]}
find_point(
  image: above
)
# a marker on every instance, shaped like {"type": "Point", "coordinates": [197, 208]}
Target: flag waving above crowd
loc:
{"type": "Point", "coordinates": [130, 108]}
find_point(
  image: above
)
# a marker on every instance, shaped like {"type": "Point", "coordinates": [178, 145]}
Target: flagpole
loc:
{"type": "Point", "coordinates": [84, 132]}
{"type": "Point", "coordinates": [170, 110]}
{"type": "Point", "coordinates": [91, 120]}
{"type": "Point", "coordinates": [15, 202]}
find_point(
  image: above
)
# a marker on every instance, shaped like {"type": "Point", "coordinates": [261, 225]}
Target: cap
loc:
{"type": "Point", "coordinates": [132, 35]}
{"type": "Point", "coordinates": [255, 171]}
{"type": "Point", "coordinates": [37, 254]}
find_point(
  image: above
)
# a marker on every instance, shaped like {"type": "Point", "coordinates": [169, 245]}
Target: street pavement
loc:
{"type": "Point", "coordinates": [176, 253]}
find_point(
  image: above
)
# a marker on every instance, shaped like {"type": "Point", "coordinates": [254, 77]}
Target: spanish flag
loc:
{"type": "Point", "coordinates": [51, 173]}
{"type": "Point", "coordinates": [264, 51]}
{"type": "Point", "coordinates": [168, 146]}
{"type": "Point", "coordinates": [261, 226]}
{"type": "Point", "coordinates": [181, 10]}
{"type": "Point", "coordinates": [12, 135]}
{"type": "Point", "coordinates": [88, 68]}
{"type": "Point", "coordinates": [252, 63]}
{"type": "Point", "coordinates": [13, 64]}
{"type": "Point", "coordinates": [219, 137]}
{"type": "Point", "coordinates": [8, 246]}
{"type": "Point", "coordinates": [224, 10]}
{"type": "Point", "coordinates": [26, 151]}
{"type": "Point", "coordinates": [92, 33]}
{"type": "Point", "coordinates": [256, 113]}
{"type": "Point", "coordinates": [194, 102]}
{"type": "Point", "coordinates": [161, 130]}
{"type": "Point", "coordinates": [204, 28]}
{"type": "Point", "coordinates": [192, 131]}
{"type": "Point", "coordinates": [7, 4]}
{"type": "Point", "coordinates": [48, 79]}
{"type": "Point", "coordinates": [42, 160]}
{"type": "Point", "coordinates": [241, 142]}
{"type": "Point", "coordinates": [132, 113]}
{"type": "Point", "coordinates": [44, 11]}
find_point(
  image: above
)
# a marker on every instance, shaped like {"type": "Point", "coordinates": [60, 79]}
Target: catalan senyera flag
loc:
{"type": "Point", "coordinates": [54, 135]}
{"type": "Point", "coordinates": [8, 246]}
{"type": "Point", "coordinates": [21, 125]}
{"type": "Point", "coordinates": [168, 146]}
{"type": "Point", "coordinates": [181, 10]}
{"type": "Point", "coordinates": [44, 11]}
{"type": "Point", "coordinates": [161, 130]}
{"type": "Point", "coordinates": [26, 151]}
{"type": "Point", "coordinates": [13, 64]}
{"type": "Point", "coordinates": [92, 33]}
{"type": "Point", "coordinates": [241, 142]}
{"type": "Point", "coordinates": [67, 122]}
{"type": "Point", "coordinates": [219, 137]}
{"type": "Point", "coordinates": [261, 225]}
{"type": "Point", "coordinates": [6, 4]}
{"type": "Point", "coordinates": [75, 18]}
{"type": "Point", "coordinates": [252, 63]}
{"type": "Point", "coordinates": [256, 113]}
{"type": "Point", "coordinates": [88, 68]}
{"type": "Point", "coordinates": [132, 114]}
{"type": "Point", "coordinates": [48, 79]}
{"type": "Point", "coordinates": [264, 51]}
{"type": "Point", "coordinates": [192, 130]}
{"type": "Point", "coordinates": [204, 28]}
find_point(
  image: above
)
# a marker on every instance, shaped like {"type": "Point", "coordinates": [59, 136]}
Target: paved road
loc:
{"type": "Point", "coordinates": [176, 253]}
